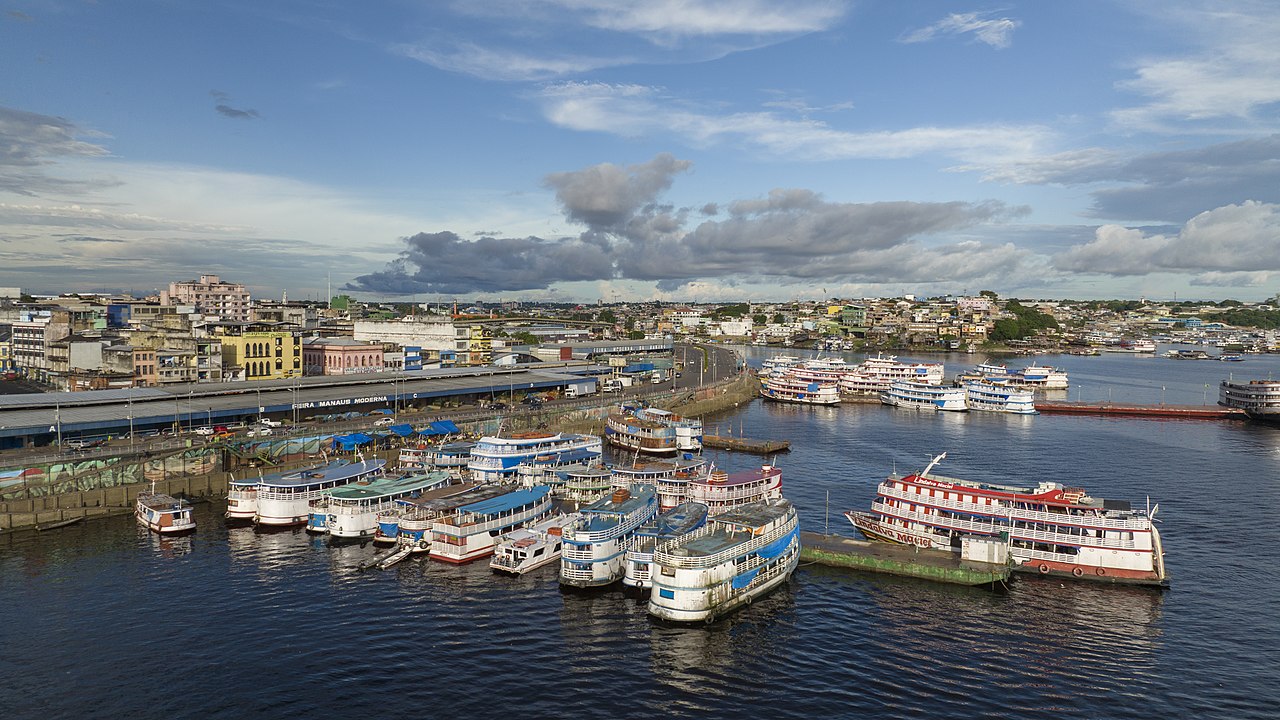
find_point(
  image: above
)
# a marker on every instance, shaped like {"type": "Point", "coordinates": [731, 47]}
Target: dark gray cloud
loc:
{"type": "Point", "coordinates": [792, 235]}
{"type": "Point", "coordinates": [227, 111]}
{"type": "Point", "coordinates": [1166, 187]}
{"type": "Point", "coordinates": [445, 263]}
{"type": "Point", "coordinates": [89, 239]}
{"type": "Point", "coordinates": [29, 143]}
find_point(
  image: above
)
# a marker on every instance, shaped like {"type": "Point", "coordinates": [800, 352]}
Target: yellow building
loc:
{"type": "Point", "coordinates": [479, 346]}
{"type": "Point", "coordinates": [270, 355]}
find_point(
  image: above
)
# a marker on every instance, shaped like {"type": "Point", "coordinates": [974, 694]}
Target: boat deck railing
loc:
{"type": "Point", "coordinates": [991, 527]}
{"type": "Point", "coordinates": [458, 526]}
{"type": "Point", "coordinates": [1036, 515]}
{"type": "Point", "coordinates": [665, 554]}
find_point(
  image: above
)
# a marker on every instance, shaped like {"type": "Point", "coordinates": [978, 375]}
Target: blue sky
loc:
{"type": "Point", "coordinates": [698, 150]}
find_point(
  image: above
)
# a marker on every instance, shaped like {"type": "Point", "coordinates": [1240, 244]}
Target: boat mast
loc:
{"type": "Point", "coordinates": [932, 462]}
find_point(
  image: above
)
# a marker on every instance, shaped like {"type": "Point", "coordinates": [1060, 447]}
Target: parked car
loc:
{"type": "Point", "coordinates": [381, 422]}
{"type": "Point", "coordinates": [204, 430]}
{"type": "Point", "coordinates": [260, 432]}
{"type": "Point", "coordinates": [270, 423]}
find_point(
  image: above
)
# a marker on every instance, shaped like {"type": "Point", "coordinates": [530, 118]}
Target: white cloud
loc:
{"type": "Point", "coordinates": [1228, 241]}
{"type": "Point", "coordinates": [495, 63]}
{"type": "Point", "coordinates": [1234, 74]}
{"type": "Point", "coordinates": [636, 110]}
{"type": "Point", "coordinates": [709, 17]}
{"type": "Point", "coordinates": [996, 32]}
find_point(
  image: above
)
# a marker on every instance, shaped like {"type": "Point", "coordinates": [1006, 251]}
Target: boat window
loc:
{"type": "Point", "coordinates": [538, 552]}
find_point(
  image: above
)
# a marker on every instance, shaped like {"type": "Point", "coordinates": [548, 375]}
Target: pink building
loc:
{"type": "Point", "coordinates": [340, 356]}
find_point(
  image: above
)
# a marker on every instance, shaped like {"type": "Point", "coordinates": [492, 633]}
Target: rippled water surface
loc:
{"type": "Point", "coordinates": [105, 620]}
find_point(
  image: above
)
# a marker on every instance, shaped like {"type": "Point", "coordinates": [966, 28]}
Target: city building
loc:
{"type": "Point", "coordinates": [210, 295]}
{"type": "Point", "coordinates": [341, 356]}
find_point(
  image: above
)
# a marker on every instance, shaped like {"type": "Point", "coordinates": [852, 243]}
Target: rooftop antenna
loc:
{"type": "Point", "coordinates": [329, 290]}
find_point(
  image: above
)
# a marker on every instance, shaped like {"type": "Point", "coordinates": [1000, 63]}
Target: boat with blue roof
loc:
{"type": "Point", "coordinates": [416, 515]}
{"type": "Point", "coordinates": [595, 545]}
{"type": "Point", "coordinates": [284, 499]}
{"type": "Point", "coordinates": [732, 560]}
{"type": "Point", "coordinates": [352, 510]}
{"type": "Point", "coordinates": [528, 548]}
{"type": "Point", "coordinates": [471, 532]}
{"type": "Point", "coordinates": [678, 521]}
{"type": "Point", "coordinates": [670, 477]}
{"type": "Point", "coordinates": [652, 431]}
{"type": "Point", "coordinates": [496, 459]}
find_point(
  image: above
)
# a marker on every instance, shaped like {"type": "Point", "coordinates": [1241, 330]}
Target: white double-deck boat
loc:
{"type": "Point", "coordinates": [353, 509]}
{"type": "Point", "coordinates": [721, 491]}
{"type": "Point", "coordinates": [1260, 399]}
{"type": "Point", "coordinates": [891, 369]}
{"type": "Point", "coordinates": [387, 531]}
{"type": "Point", "coordinates": [471, 532]}
{"type": "Point", "coordinates": [652, 431]}
{"type": "Point", "coordinates": [670, 477]}
{"type": "Point", "coordinates": [786, 388]}
{"type": "Point", "coordinates": [544, 469]}
{"type": "Point", "coordinates": [1041, 377]}
{"type": "Point", "coordinates": [496, 459]}
{"type": "Point", "coordinates": [1052, 529]}
{"type": "Point", "coordinates": [531, 547]}
{"type": "Point", "coordinates": [735, 558]}
{"type": "Point", "coordinates": [285, 498]}
{"type": "Point", "coordinates": [242, 499]}
{"type": "Point", "coordinates": [999, 396]}
{"type": "Point", "coordinates": [439, 456]}
{"type": "Point", "coordinates": [924, 396]}
{"type": "Point", "coordinates": [673, 523]}
{"type": "Point", "coordinates": [595, 544]}
{"type": "Point", "coordinates": [773, 364]}
{"type": "Point", "coordinates": [583, 484]}
{"type": "Point", "coordinates": [162, 513]}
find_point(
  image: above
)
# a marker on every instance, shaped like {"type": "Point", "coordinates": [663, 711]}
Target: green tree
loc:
{"type": "Point", "coordinates": [759, 319]}
{"type": "Point", "coordinates": [607, 316]}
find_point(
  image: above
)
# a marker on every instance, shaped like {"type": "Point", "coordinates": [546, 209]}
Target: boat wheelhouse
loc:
{"type": "Point", "coordinates": [670, 477]}
{"type": "Point", "coordinates": [495, 459]}
{"type": "Point", "coordinates": [777, 362]}
{"type": "Point", "coordinates": [999, 396]}
{"type": "Point", "coordinates": [785, 388]}
{"type": "Point", "coordinates": [353, 509]}
{"type": "Point", "coordinates": [594, 545]}
{"type": "Point", "coordinates": [1259, 399]}
{"type": "Point", "coordinates": [735, 558]}
{"type": "Point", "coordinates": [652, 431]}
{"type": "Point", "coordinates": [924, 396]}
{"type": "Point", "coordinates": [471, 532]}
{"type": "Point", "coordinates": [531, 547]}
{"type": "Point", "coordinates": [541, 470]}
{"type": "Point", "coordinates": [584, 484]}
{"type": "Point", "coordinates": [1041, 377]}
{"type": "Point", "coordinates": [721, 491]}
{"type": "Point", "coordinates": [669, 525]}
{"type": "Point", "coordinates": [1052, 529]}
{"type": "Point", "coordinates": [163, 513]}
{"type": "Point", "coordinates": [285, 498]}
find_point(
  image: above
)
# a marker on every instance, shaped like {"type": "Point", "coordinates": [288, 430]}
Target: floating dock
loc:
{"type": "Point", "coordinates": [901, 560]}
{"type": "Point", "coordinates": [742, 444]}
{"type": "Point", "coordinates": [1181, 412]}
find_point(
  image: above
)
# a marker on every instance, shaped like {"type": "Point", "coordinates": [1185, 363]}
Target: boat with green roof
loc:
{"type": "Point", "coordinates": [352, 510]}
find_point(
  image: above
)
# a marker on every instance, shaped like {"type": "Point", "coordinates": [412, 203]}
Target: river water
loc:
{"type": "Point", "coordinates": [106, 620]}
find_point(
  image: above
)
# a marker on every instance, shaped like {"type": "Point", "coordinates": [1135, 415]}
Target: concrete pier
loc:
{"type": "Point", "coordinates": [901, 560]}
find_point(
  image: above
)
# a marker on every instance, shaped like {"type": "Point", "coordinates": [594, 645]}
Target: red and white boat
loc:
{"type": "Point", "coordinates": [721, 491]}
{"type": "Point", "coordinates": [1052, 530]}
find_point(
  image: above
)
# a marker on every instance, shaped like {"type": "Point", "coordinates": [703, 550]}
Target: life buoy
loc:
{"type": "Point", "coordinates": [1077, 572]}
{"type": "Point", "coordinates": [1044, 569]}
{"type": "Point", "coordinates": [423, 544]}
{"type": "Point", "coordinates": [1101, 571]}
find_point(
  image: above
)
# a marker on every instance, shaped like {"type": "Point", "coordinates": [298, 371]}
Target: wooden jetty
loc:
{"type": "Point", "coordinates": [901, 560]}
{"type": "Point", "coordinates": [742, 444]}
{"type": "Point", "coordinates": [1181, 412]}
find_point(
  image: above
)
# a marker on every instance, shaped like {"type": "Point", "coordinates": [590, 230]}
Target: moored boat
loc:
{"type": "Point", "coordinates": [242, 499]}
{"type": "Point", "coordinates": [471, 531]}
{"type": "Point", "coordinates": [285, 498]}
{"type": "Point", "coordinates": [531, 547]}
{"type": "Point", "coordinates": [721, 491]}
{"type": "Point", "coordinates": [999, 396]}
{"type": "Point", "coordinates": [670, 477]}
{"type": "Point", "coordinates": [735, 558]}
{"type": "Point", "coordinates": [353, 509]}
{"type": "Point", "coordinates": [785, 388]}
{"type": "Point", "coordinates": [652, 431]}
{"type": "Point", "coordinates": [1052, 529]}
{"type": "Point", "coordinates": [163, 513]}
{"type": "Point", "coordinates": [924, 396]}
{"type": "Point", "coordinates": [1259, 399]}
{"type": "Point", "coordinates": [496, 459]}
{"type": "Point", "coordinates": [592, 555]}
{"type": "Point", "coordinates": [673, 523]}
{"type": "Point", "coordinates": [418, 514]}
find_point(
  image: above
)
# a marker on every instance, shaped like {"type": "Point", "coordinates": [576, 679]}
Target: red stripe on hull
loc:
{"type": "Point", "coordinates": [1088, 572]}
{"type": "Point", "coordinates": [462, 560]}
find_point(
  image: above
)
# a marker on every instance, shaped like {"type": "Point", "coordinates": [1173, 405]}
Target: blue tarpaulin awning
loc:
{"type": "Point", "coordinates": [349, 442]}
{"type": "Point", "coordinates": [445, 427]}
{"type": "Point", "coordinates": [401, 430]}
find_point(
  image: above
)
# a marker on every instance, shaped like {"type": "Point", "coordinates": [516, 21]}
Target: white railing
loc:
{"type": "Point", "coordinates": [625, 526]}
{"type": "Point", "coordinates": [994, 526]}
{"type": "Point", "coordinates": [705, 493]}
{"type": "Point", "coordinates": [475, 528]}
{"type": "Point", "coordinates": [1019, 513]}
{"type": "Point", "coordinates": [664, 554]}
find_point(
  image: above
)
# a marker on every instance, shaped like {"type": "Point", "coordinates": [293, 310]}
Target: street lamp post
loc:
{"type": "Point", "coordinates": [259, 393]}
{"type": "Point", "coordinates": [130, 397]}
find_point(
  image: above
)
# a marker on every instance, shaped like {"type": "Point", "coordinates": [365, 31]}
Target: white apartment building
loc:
{"type": "Point", "coordinates": [210, 295]}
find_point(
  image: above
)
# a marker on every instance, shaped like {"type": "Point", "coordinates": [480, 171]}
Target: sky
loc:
{"type": "Point", "coordinates": [674, 150]}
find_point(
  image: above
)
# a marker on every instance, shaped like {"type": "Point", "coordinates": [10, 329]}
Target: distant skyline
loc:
{"type": "Point", "coordinates": [677, 150]}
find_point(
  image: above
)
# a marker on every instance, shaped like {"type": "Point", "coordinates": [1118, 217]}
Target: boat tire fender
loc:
{"type": "Point", "coordinates": [1044, 569]}
{"type": "Point", "coordinates": [1077, 572]}
{"type": "Point", "coordinates": [1101, 572]}
{"type": "Point", "coordinates": [423, 544]}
